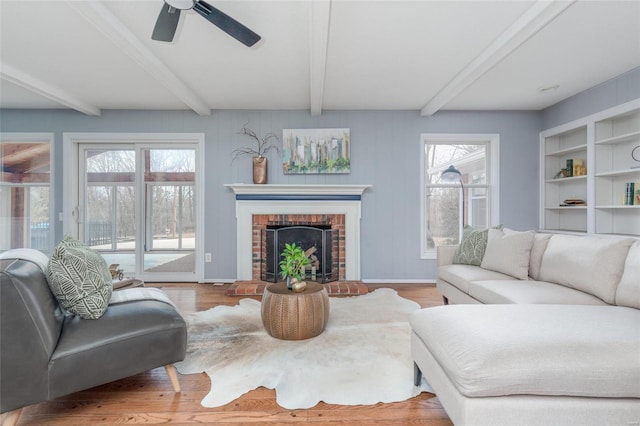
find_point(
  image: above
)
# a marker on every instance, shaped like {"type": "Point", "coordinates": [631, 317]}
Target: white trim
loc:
{"type": "Point", "coordinates": [244, 216]}
{"type": "Point", "coordinates": [491, 139]}
{"type": "Point", "coordinates": [529, 23]}
{"type": "Point", "coordinates": [71, 143]}
{"type": "Point", "coordinates": [219, 280]}
{"type": "Point", "coordinates": [26, 81]}
{"type": "Point", "coordinates": [286, 189]}
{"type": "Point", "coordinates": [319, 19]}
{"type": "Point", "coordinates": [41, 138]}
{"type": "Point", "coordinates": [245, 209]}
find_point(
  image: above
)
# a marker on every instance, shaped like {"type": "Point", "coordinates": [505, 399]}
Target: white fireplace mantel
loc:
{"type": "Point", "coordinates": [285, 189]}
{"type": "Point", "coordinates": [297, 199]}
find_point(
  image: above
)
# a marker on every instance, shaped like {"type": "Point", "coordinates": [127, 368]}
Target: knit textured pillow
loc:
{"type": "Point", "coordinates": [79, 279]}
{"type": "Point", "coordinates": [473, 245]}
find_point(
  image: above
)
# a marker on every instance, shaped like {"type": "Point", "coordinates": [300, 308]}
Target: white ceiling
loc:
{"type": "Point", "coordinates": [314, 54]}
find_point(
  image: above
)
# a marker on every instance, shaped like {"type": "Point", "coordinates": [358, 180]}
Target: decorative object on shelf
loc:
{"type": "Point", "coordinates": [562, 173]}
{"type": "Point", "coordinates": [316, 151]}
{"type": "Point", "coordinates": [573, 202]}
{"type": "Point", "coordinates": [635, 156]}
{"type": "Point", "coordinates": [453, 175]}
{"type": "Point", "coordinates": [570, 167]}
{"type": "Point", "coordinates": [292, 265]}
{"type": "Point", "coordinates": [578, 168]}
{"type": "Point", "coordinates": [259, 159]}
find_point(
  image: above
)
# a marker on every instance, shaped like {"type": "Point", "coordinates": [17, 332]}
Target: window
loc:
{"type": "Point", "coordinates": [447, 207]}
{"type": "Point", "coordinates": [25, 194]}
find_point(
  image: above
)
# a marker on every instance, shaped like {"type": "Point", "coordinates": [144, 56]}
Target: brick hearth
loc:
{"type": "Point", "coordinates": [336, 288]}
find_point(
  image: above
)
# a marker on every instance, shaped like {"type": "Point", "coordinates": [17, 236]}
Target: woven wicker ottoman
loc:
{"type": "Point", "coordinates": [295, 316]}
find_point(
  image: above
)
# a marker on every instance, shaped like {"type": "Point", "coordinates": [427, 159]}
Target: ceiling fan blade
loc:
{"type": "Point", "coordinates": [226, 23]}
{"type": "Point", "coordinates": [166, 24]}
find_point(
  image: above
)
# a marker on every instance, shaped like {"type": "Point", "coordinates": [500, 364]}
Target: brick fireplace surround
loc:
{"type": "Point", "coordinates": [262, 221]}
{"type": "Point", "coordinates": [259, 206]}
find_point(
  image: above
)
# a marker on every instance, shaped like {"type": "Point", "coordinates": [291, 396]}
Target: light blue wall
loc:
{"type": "Point", "coordinates": [384, 152]}
{"type": "Point", "coordinates": [623, 88]}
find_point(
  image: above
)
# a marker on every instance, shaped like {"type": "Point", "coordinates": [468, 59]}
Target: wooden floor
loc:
{"type": "Point", "coordinates": [149, 399]}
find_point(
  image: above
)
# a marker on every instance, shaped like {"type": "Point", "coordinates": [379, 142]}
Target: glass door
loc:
{"type": "Point", "coordinates": [107, 194]}
{"type": "Point", "coordinates": [170, 215]}
{"type": "Point", "coordinates": [138, 209]}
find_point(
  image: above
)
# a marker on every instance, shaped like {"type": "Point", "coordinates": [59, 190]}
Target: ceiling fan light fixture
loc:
{"type": "Point", "coordinates": [181, 4]}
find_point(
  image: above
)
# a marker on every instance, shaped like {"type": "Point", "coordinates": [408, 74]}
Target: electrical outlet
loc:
{"type": "Point", "coordinates": [207, 257]}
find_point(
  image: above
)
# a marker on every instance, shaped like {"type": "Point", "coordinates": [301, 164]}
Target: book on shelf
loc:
{"type": "Point", "coordinates": [632, 194]}
{"type": "Point", "coordinates": [573, 202]}
{"type": "Point", "coordinates": [570, 167]}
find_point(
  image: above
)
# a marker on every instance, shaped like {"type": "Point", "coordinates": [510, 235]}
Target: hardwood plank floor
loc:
{"type": "Point", "coordinates": [148, 398]}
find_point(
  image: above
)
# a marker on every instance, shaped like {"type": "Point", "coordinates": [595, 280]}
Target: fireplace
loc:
{"type": "Point", "coordinates": [303, 205]}
{"type": "Point", "coordinates": [321, 236]}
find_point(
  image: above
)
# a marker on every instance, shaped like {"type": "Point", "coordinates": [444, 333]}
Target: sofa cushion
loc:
{"type": "Point", "coordinates": [460, 276]}
{"type": "Point", "coordinates": [508, 252]}
{"type": "Point", "coordinates": [529, 291]}
{"type": "Point", "coordinates": [471, 248]}
{"type": "Point", "coordinates": [540, 242]}
{"type": "Point", "coordinates": [80, 279]}
{"type": "Point", "coordinates": [590, 264]}
{"type": "Point", "coordinates": [572, 350]}
{"type": "Point", "coordinates": [628, 291]}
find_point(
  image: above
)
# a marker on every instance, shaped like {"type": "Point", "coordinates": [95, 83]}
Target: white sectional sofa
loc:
{"type": "Point", "coordinates": [545, 331]}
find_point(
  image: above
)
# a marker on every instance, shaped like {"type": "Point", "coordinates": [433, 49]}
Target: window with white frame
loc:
{"type": "Point", "coordinates": [25, 191]}
{"type": "Point", "coordinates": [471, 199]}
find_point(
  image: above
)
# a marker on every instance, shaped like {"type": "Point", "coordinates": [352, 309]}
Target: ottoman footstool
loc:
{"type": "Point", "coordinates": [531, 364]}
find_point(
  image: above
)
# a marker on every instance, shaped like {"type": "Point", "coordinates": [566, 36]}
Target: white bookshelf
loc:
{"type": "Point", "coordinates": [603, 142]}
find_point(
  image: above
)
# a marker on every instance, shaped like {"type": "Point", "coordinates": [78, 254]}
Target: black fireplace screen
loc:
{"type": "Point", "coordinates": [317, 242]}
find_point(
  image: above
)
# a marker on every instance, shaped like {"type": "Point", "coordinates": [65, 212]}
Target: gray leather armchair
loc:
{"type": "Point", "coordinates": [45, 354]}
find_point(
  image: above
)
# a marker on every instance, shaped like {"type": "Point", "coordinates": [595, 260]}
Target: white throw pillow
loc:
{"type": "Point", "coordinates": [508, 252]}
{"type": "Point", "coordinates": [540, 242]}
{"type": "Point", "coordinates": [590, 264]}
{"type": "Point", "coordinates": [628, 292]}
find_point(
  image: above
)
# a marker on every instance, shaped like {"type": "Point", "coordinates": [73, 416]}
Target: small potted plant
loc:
{"type": "Point", "coordinates": [294, 259]}
{"type": "Point", "coordinates": [259, 159]}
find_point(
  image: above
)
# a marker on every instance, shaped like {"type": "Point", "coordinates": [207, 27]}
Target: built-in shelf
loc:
{"type": "Point", "coordinates": [566, 179]}
{"type": "Point", "coordinates": [619, 173]}
{"type": "Point", "coordinates": [567, 208]}
{"type": "Point", "coordinates": [619, 139]}
{"type": "Point", "coordinates": [618, 206]}
{"type": "Point", "coordinates": [603, 142]}
{"type": "Point", "coordinates": [570, 150]}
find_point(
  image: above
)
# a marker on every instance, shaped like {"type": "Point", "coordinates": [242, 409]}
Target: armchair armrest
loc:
{"type": "Point", "coordinates": [445, 254]}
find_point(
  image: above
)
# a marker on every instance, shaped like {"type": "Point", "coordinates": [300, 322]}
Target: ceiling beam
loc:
{"type": "Point", "coordinates": [319, 20]}
{"type": "Point", "coordinates": [49, 91]}
{"type": "Point", "coordinates": [533, 20]}
{"type": "Point", "coordinates": [107, 23]}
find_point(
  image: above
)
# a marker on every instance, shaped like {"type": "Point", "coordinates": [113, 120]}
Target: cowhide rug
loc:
{"type": "Point", "coordinates": [363, 356]}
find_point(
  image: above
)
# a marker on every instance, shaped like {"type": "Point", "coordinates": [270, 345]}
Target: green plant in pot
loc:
{"type": "Point", "coordinates": [294, 259]}
{"type": "Point", "coordinates": [259, 159]}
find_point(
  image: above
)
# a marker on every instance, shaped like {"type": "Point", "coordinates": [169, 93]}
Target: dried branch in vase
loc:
{"type": "Point", "coordinates": [264, 144]}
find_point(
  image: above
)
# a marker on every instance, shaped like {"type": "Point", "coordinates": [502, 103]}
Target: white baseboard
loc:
{"type": "Point", "coordinates": [220, 280]}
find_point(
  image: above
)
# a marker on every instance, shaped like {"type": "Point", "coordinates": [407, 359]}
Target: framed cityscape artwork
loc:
{"type": "Point", "coordinates": [316, 151]}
